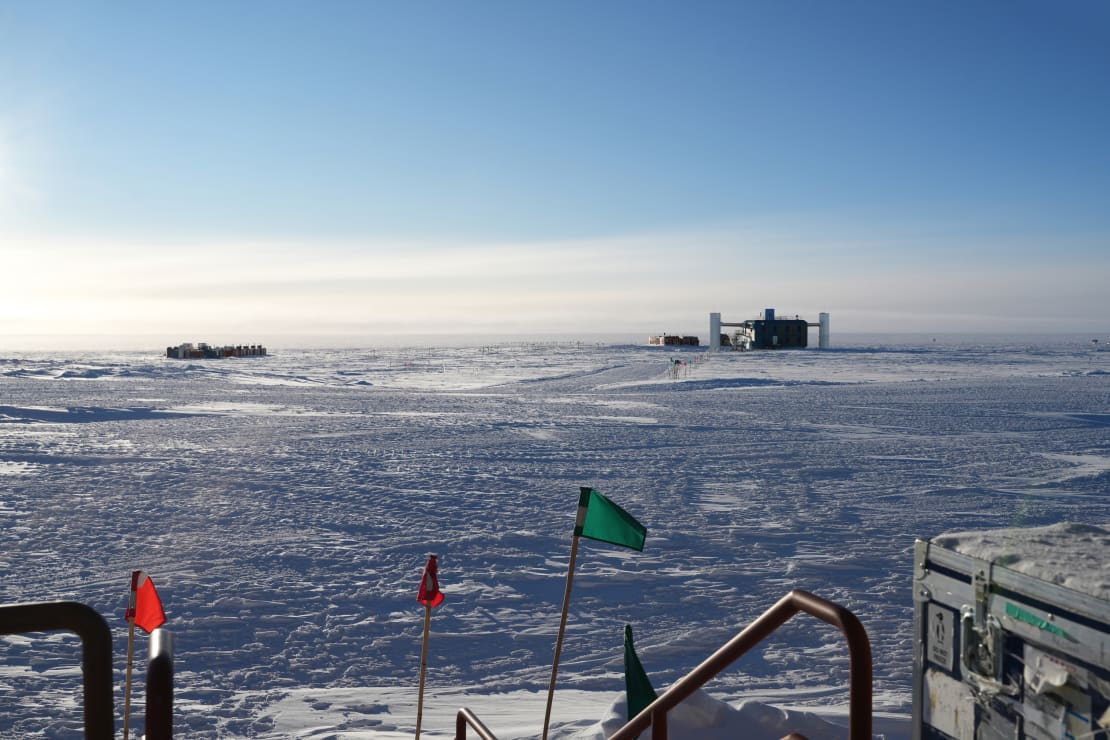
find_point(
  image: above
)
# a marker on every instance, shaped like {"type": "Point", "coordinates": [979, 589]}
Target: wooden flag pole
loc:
{"type": "Point", "coordinates": [562, 629]}
{"type": "Point", "coordinates": [130, 661]}
{"type": "Point", "coordinates": [423, 666]}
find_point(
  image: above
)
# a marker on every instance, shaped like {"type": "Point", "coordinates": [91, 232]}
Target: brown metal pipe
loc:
{"type": "Point", "coordinates": [859, 651]}
{"type": "Point", "coordinates": [466, 717]}
{"type": "Point", "coordinates": [659, 725]}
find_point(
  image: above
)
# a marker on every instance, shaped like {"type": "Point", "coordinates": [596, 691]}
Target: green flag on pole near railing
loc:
{"type": "Point", "coordinates": [601, 519]}
{"type": "Point", "coordinates": [637, 685]}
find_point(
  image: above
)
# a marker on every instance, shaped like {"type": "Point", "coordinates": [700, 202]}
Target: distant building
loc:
{"type": "Point", "coordinates": [770, 332]}
{"type": "Point", "coordinates": [204, 351]}
{"type": "Point", "coordinates": [672, 340]}
{"type": "Point", "coordinates": [767, 332]}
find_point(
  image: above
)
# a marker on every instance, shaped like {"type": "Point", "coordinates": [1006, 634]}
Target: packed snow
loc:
{"type": "Point", "coordinates": [285, 506]}
{"type": "Point", "coordinates": [1069, 554]}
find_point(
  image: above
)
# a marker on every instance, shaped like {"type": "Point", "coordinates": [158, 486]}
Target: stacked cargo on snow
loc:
{"type": "Point", "coordinates": [671, 340]}
{"type": "Point", "coordinates": [204, 351]}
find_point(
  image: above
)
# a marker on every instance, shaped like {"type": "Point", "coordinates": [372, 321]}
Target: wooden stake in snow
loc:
{"type": "Point", "coordinates": [429, 595]}
{"type": "Point", "coordinates": [562, 630]}
{"type": "Point", "coordinates": [130, 662]}
{"type": "Point", "coordinates": [423, 667]}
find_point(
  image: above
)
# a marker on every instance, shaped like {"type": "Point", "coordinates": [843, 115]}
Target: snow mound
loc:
{"type": "Point", "coordinates": [1076, 556]}
{"type": "Point", "coordinates": [705, 718]}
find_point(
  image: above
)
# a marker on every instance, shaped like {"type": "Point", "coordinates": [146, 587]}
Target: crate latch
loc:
{"type": "Point", "coordinates": [980, 633]}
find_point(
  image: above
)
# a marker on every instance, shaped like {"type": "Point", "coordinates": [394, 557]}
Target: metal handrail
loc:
{"type": "Point", "coordinates": [466, 717]}
{"type": "Point", "coordinates": [159, 686]}
{"type": "Point", "coordinates": [859, 653]}
{"type": "Point", "coordinates": [96, 652]}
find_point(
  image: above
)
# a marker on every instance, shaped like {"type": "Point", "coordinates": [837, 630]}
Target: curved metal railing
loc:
{"type": "Point", "coordinates": [859, 651]}
{"type": "Point", "coordinates": [655, 714]}
{"type": "Point", "coordinates": [96, 662]}
{"type": "Point", "coordinates": [96, 652]}
{"type": "Point", "coordinates": [466, 717]}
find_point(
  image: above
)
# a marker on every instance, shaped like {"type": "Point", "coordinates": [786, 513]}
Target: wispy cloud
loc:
{"type": "Point", "coordinates": [641, 282]}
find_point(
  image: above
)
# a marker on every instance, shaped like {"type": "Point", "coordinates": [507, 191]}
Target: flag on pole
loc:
{"type": "Point", "coordinates": [147, 611]}
{"type": "Point", "coordinates": [429, 594]}
{"type": "Point", "coordinates": [601, 519]}
{"type": "Point", "coordinates": [637, 686]}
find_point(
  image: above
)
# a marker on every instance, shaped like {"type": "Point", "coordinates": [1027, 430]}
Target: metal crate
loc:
{"type": "Point", "coordinates": [1003, 654]}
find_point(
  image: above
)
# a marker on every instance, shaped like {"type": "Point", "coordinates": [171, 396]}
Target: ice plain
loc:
{"type": "Point", "coordinates": [285, 507]}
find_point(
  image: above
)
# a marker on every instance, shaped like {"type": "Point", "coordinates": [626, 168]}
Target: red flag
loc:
{"type": "Point", "coordinates": [146, 608]}
{"type": "Point", "coordinates": [429, 593]}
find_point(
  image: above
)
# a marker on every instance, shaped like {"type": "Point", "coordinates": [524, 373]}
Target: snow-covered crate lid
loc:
{"type": "Point", "coordinates": [1069, 555]}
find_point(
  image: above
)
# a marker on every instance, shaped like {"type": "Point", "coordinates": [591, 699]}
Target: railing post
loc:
{"type": "Point", "coordinates": [96, 652]}
{"type": "Point", "coordinates": [659, 725]}
{"type": "Point", "coordinates": [159, 686]}
{"type": "Point", "coordinates": [859, 656]}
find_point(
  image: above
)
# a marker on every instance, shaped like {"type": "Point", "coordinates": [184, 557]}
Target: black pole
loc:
{"type": "Point", "coordinates": [159, 686]}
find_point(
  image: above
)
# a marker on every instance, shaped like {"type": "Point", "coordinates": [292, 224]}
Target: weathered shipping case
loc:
{"type": "Point", "coordinates": [1007, 653]}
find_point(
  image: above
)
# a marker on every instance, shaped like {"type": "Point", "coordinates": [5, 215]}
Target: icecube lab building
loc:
{"type": "Point", "coordinates": [768, 332]}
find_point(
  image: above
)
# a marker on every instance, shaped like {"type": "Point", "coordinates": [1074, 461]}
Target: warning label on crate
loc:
{"type": "Point", "coordinates": [940, 641]}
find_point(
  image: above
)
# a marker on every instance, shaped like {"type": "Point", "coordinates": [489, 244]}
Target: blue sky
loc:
{"type": "Point", "coordinates": [223, 171]}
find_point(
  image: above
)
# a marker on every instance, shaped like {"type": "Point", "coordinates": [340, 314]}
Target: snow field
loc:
{"type": "Point", "coordinates": [285, 506]}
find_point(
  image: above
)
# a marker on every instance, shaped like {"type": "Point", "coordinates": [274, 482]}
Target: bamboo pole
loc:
{"type": "Point", "coordinates": [423, 666]}
{"type": "Point", "coordinates": [130, 662]}
{"type": "Point", "coordinates": [562, 630]}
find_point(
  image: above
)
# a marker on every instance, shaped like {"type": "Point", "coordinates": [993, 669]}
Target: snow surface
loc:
{"type": "Point", "coordinates": [1067, 554]}
{"type": "Point", "coordinates": [284, 506]}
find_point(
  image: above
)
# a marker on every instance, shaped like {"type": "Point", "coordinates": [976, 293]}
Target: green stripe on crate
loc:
{"type": "Point", "coordinates": [1015, 611]}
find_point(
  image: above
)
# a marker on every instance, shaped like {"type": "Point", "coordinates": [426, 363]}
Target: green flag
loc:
{"type": "Point", "coordinates": [636, 684]}
{"type": "Point", "coordinates": [601, 519]}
